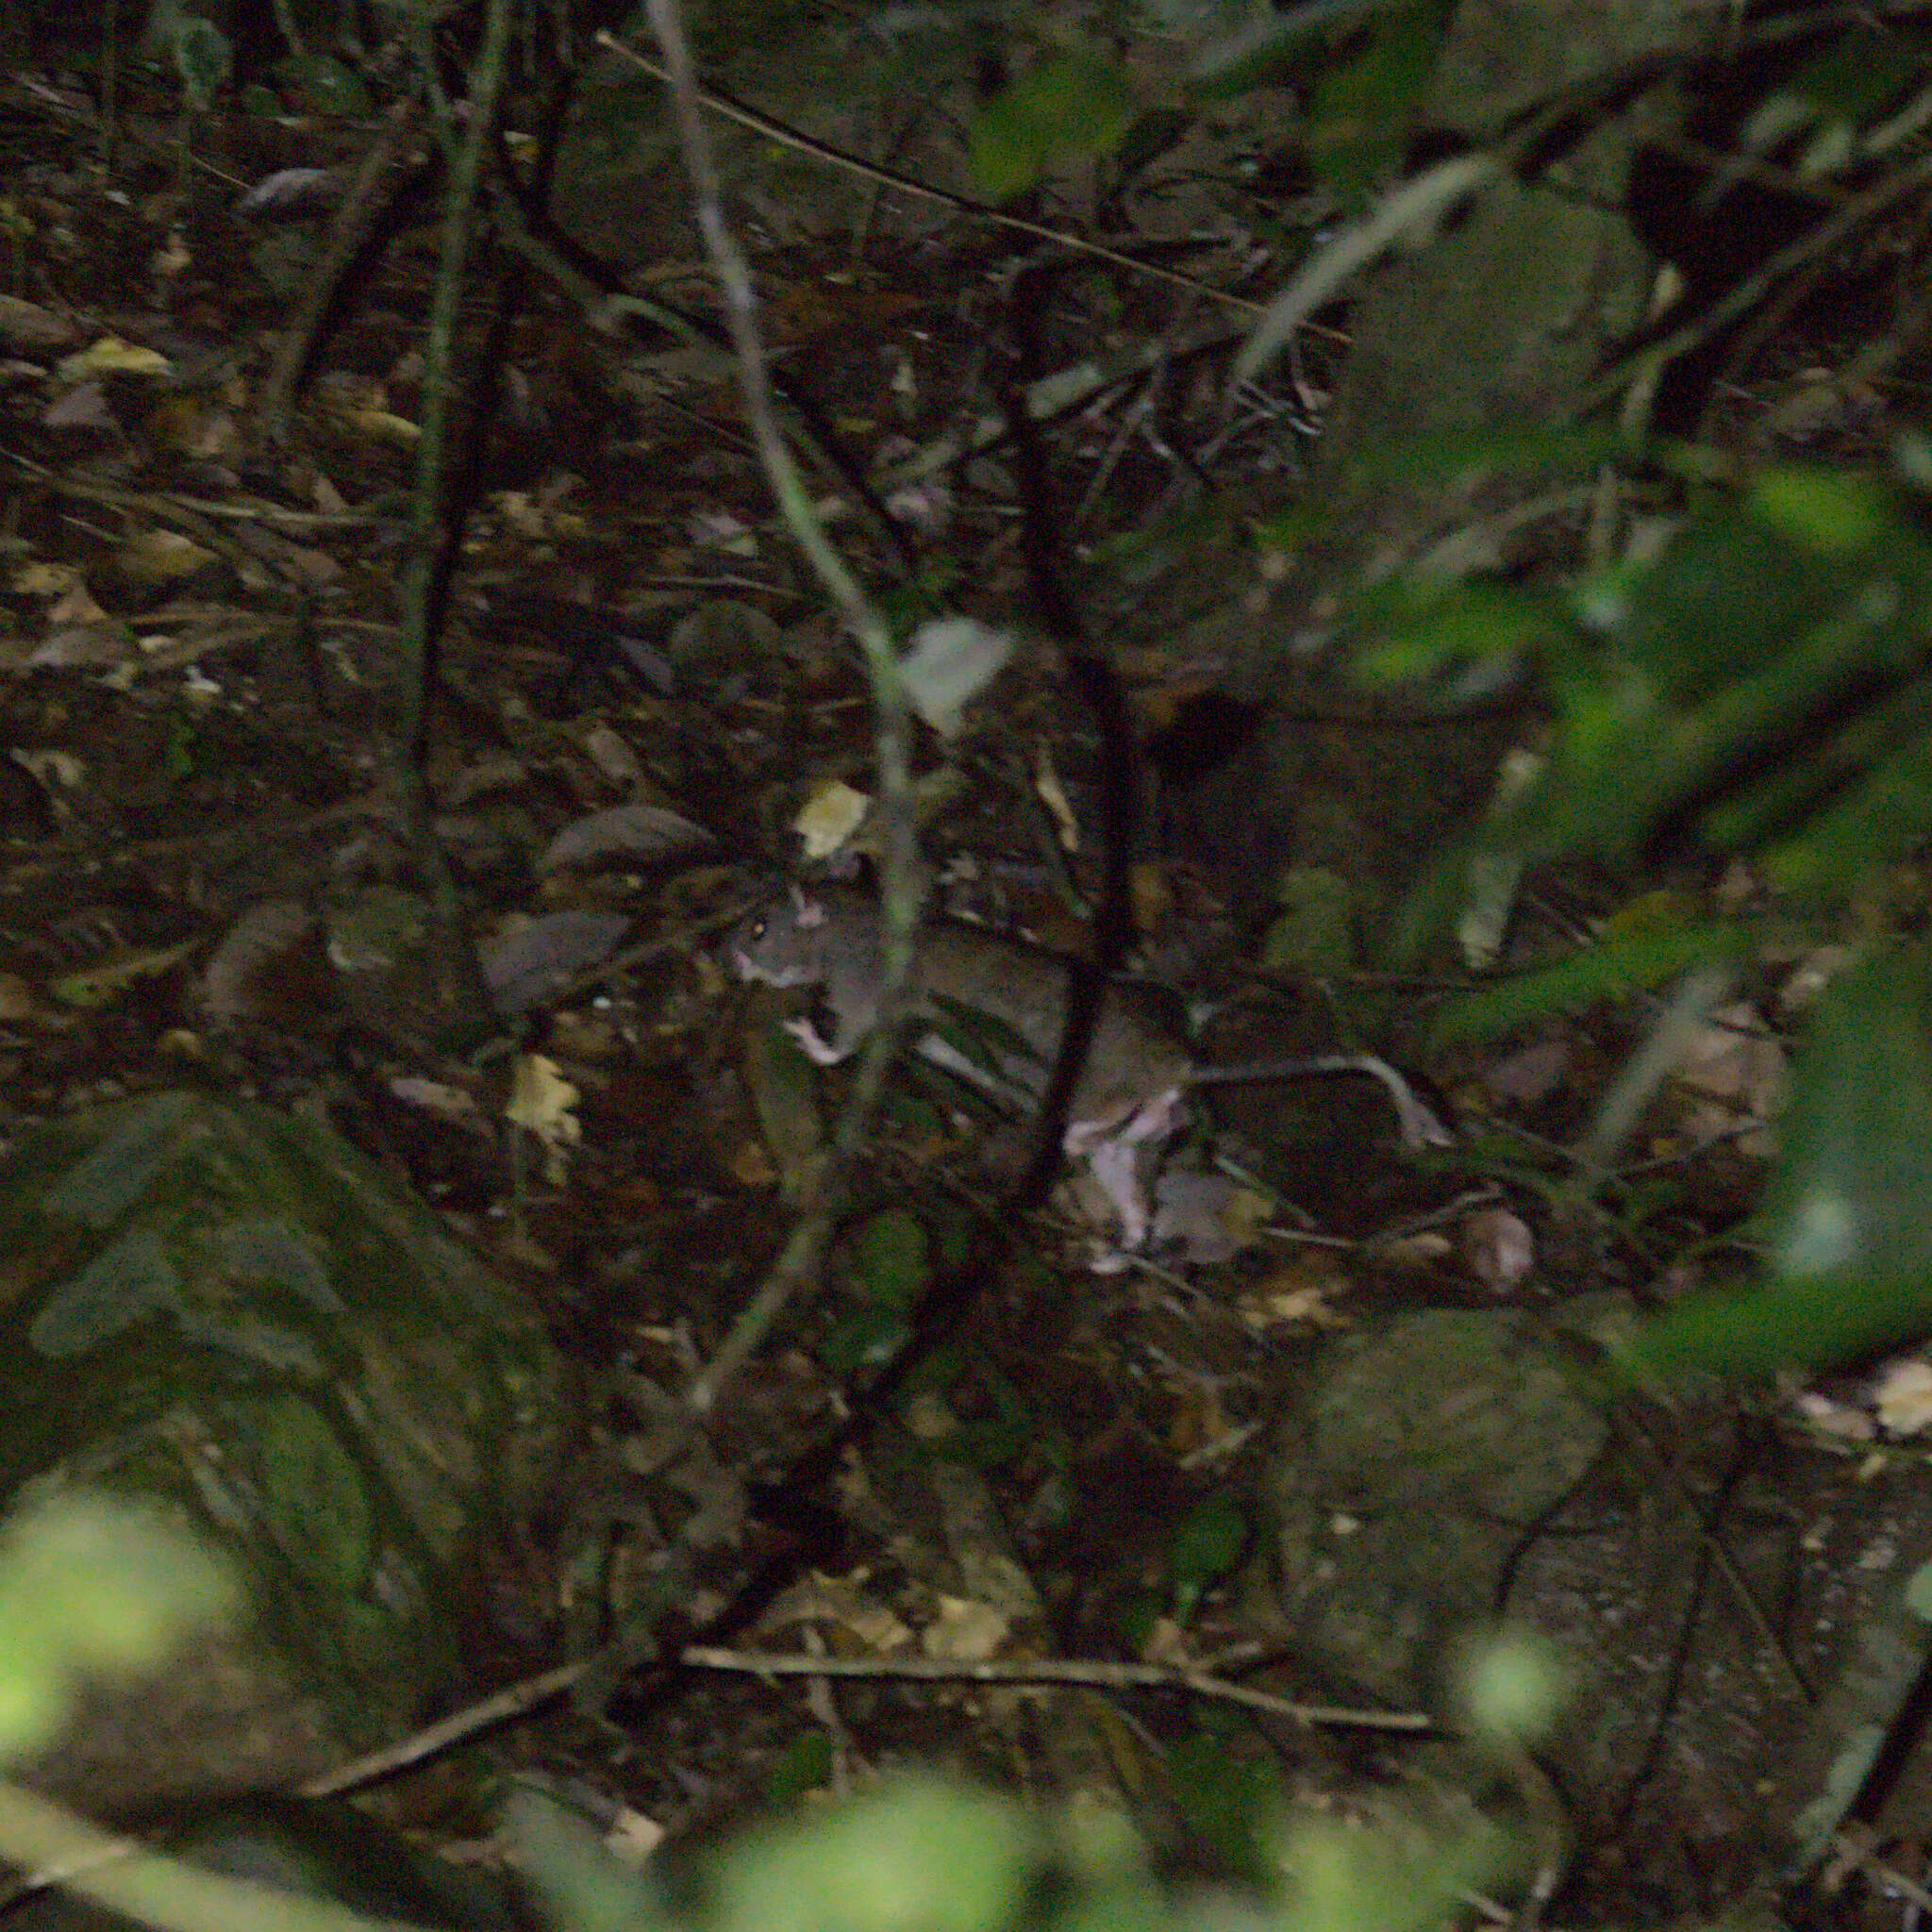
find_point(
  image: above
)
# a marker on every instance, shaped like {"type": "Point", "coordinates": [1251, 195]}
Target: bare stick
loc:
{"type": "Point", "coordinates": [798, 1265]}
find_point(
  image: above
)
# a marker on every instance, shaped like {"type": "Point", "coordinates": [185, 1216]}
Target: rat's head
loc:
{"type": "Point", "coordinates": [784, 942]}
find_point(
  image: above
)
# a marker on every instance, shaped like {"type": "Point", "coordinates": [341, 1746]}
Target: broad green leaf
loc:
{"type": "Point", "coordinates": [1630, 759]}
{"type": "Point", "coordinates": [913, 1854]}
{"type": "Point", "coordinates": [1801, 1325]}
{"type": "Point", "coordinates": [91, 1585]}
{"type": "Point", "coordinates": [1890, 811]}
{"type": "Point", "coordinates": [1848, 1240]}
{"type": "Point", "coordinates": [889, 1257]}
{"type": "Point", "coordinates": [1721, 603]}
{"type": "Point", "coordinates": [1360, 116]}
{"type": "Point", "coordinates": [1611, 970]}
{"type": "Point", "coordinates": [1205, 1547]}
{"type": "Point", "coordinates": [1266, 50]}
{"type": "Point", "coordinates": [1419, 629]}
{"type": "Point", "coordinates": [1471, 455]}
{"type": "Point", "coordinates": [1829, 512]}
{"type": "Point", "coordinates": [806, 1764]}
{"type": "Point", "coordinates": [1231, 1801]}
{"type": "Point", "coordinates": [203, 58]}
{"type": "Point", "coordinates": [1076, 105]}
{"type": "Point", "coordinates": [1854, 1186]}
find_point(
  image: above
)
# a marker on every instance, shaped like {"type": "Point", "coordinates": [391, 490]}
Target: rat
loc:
{"type": "Point", "coordinates": [1133, 1088]}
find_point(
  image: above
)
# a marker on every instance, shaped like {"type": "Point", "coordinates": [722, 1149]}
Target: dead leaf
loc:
{"type": "Point", "coordinates": [1733, 1075]}
{"type": "Point", "coordinates": [438, 1097]}
{"type": "Point", "coordinates": [826, 820]}
{"type": "Point", "coordinates": [382, 426]}
{"type": "Point", "coordinates": [292, 191]}
{"type": "Point", "coordinates": [84, 406]}
{"type": "Point", "coordinates": [111, 356]}
{"type": "Point", "coordinates": [82, 647]}
{"type": "Point", "coordinates": [1530, 1073]}
{"type": "Point", "coordinates": [159, 556]}
{"type": "Point", "coordinates": [54, 771]}
{"type": "Point", "coordinates": [965, 1631]}
{"type": "Point", "coordinates": [96, 985]}
{"type": "Point", "coordinates": [264, 937]}
{"type": "Point", "coordinates": [1300, 1293]}
{"type": "Point", "coordinates": [949, 662]}
{"type": "Point", "coordinates": [1837, 1419]}
{"type": "Point", "coordinates": [1499, 1249]}
{"type": "Point", "coordinates": [1902, 1395]}
{"type": "Point", "coordinates": [1052, 794]}
{"type": "Point", "coordinates": [646, 833]}
{"type": "Point", "coordinates": [752, 1166]}
{"type": "Point", "coordinates": [632, 1838]}
{"type": "Point", "coordinates": [540, 1102]}
{"type": "Point", "coordinates": [610, 752]}
{"type": "Point", "coordinates": [1205, 1217]}
{"type": "Point", "coordinates": [28, 325]}
{"type": "Point", "coordinates": [76, 605]}
{"type": "Point", "coordinates": [18, 1000]}
{"type": "Point", "coordinates": [44, 579]}
{"type": "Point", "coordinates": [529, 962]}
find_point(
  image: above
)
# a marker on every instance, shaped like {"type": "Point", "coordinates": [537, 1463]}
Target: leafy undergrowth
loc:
{"type": "Point", "coordinates": [1367, 1399]}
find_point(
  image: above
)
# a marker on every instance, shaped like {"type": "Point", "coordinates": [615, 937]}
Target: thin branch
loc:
{"type": "Point", "coordinates": [1103, 1677]}
{"type": "Point", "coordinates": [904, 184]}
{"type": "Point", "coordinates": [798, 1266]}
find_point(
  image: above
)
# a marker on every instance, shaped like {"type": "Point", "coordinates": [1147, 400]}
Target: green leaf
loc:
{"type": "Point", "coordinates": [1611, 970]}
{"type": "Point", "coordinates": [203, 58]}
{"type": "Point", "coordinates": [1847, 1236]}
{"type": "Point", "coordinates": [889, 1259]}
{"type": "Point", "coordinates": [913, 1854]}
{"type": "Point", "coordinates": [1720, 603]}
{"type": "Point", "coordinates": [1854, 1186]}
{"type": "Point", "coordinates": [1801, 1325]}
{"type": "Point", "coordinates": [319, 84]}
{"type": "Point", "coordinates": [868, 1337]}
{"type": "Point", "coordinates": [1263, 51]}
{"type": "Point", "coordinates": [1358, 121]}
{"type": "Point", "coordinates": [1825, 512]}
{"type": "Point", "coordinates": [90, 1584]}
{"type": "Point", "coordinates": [1416, 627]}
{"type": "Point", "coordinates": [1887, 813]}
{"type": "Point", "coordinates": [1205, 1548]}
{"type": "Point", "coordinates": [804, 1765]}
{"type": "Point", "coordinates": [1467, 457]}
{"type": "Point", "coordinates": [1229, 1801]}
{"type": "Point", "coordinates": [1077, 105]}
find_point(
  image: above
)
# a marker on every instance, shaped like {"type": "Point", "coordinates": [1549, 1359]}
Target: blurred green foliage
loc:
{"type": "Point", "coordinates": [1755, 684]}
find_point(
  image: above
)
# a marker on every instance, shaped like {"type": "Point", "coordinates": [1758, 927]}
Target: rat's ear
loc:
{"type": "Point", "coordinates": [809, 911]}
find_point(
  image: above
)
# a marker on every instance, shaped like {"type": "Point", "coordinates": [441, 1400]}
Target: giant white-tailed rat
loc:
{"type": "Point", "coordinates": [1133, 1087]}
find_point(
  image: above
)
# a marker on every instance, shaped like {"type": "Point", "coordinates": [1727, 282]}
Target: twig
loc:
{"type": "Point", "coordinates": [798, 1265]}
{"type": "Point", "coordinates": [1105, 1676]}
{"type": "Point", "coordinates": [1639, 371]}
{"type": "Point", "coordinates": [425, 582]}
{"type": "Point", "coordinates": [353, 221]}
{"type": "Point", "coordinates": [960, 204]}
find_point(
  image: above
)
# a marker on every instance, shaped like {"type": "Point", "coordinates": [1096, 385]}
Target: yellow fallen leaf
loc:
{"type": "Point", "coordinates": [111, 356]}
